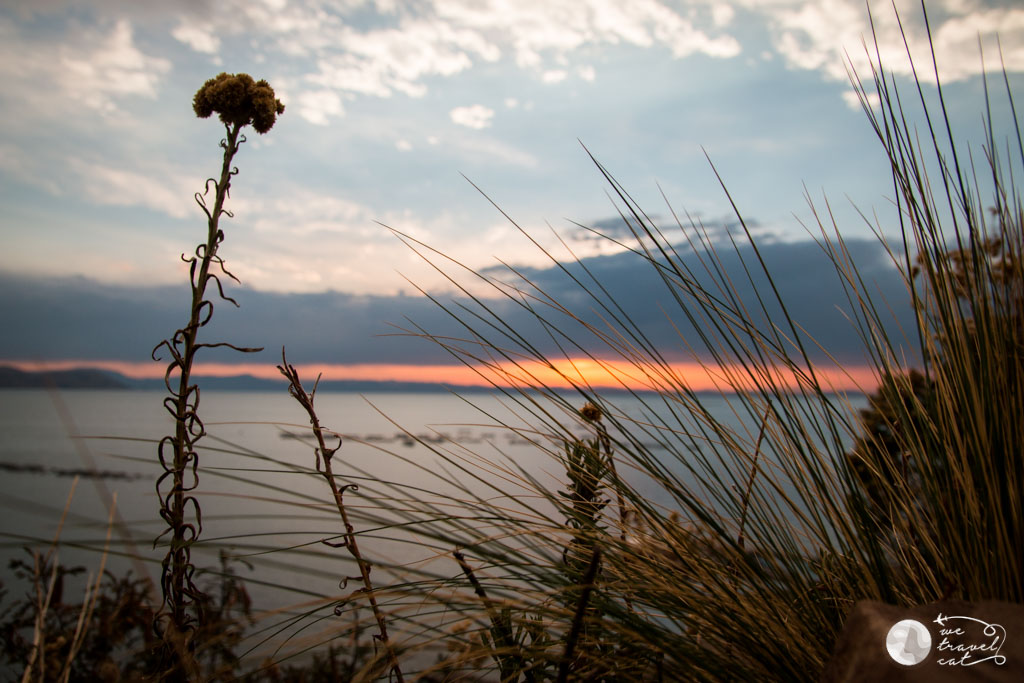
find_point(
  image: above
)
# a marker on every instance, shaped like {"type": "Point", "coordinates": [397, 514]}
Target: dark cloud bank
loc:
{"type": "Point", "coordinates": [82, 319]}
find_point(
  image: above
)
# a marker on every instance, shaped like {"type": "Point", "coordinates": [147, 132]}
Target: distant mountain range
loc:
{"type": "Point", "coordinates": [84, 378]}
{"type": "Point", "coordinates": [92, 378]}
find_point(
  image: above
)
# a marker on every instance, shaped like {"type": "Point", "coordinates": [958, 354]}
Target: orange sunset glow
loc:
{"type": "Point", "coordinates": [562, 374]}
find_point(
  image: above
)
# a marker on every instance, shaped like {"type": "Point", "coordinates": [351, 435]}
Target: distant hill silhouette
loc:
{"type": "Point", "coordinates": [79, 378]}
{"type": "Point", "coordinates": [92, 378]}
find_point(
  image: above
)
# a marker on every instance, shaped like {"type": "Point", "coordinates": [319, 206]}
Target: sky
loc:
{"type": "Point", "coordinates": [450, 121]}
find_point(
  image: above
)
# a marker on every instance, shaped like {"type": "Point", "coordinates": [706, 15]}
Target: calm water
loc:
{"type": "Point", "coordinates": [259, 501]}
{"type": "Point", "coordinates": [248, 480]}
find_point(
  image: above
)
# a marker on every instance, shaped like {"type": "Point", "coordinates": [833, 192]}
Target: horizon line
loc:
{"type": "Point", "coordinates": [562, 374]}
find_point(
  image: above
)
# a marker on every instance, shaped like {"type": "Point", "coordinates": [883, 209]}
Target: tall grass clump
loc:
{"type": "Point", "coordinates": [948, 440]}
{"type": "Point", "coordinates": [734, 549]}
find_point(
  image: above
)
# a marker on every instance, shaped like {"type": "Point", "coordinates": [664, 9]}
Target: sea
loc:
{"type": "Point", "coordinates": [79, 466]}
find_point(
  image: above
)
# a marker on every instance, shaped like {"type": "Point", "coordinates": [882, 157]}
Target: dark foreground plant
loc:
{"type": "Point", "coordinates": [111, 641]}
{"type": "Point", "coordinates": [104, 632]}
{"type": "Point", "coordinates": [239, 101]}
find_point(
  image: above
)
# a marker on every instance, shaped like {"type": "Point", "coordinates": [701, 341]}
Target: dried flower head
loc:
{"type": "Point", "coordinates": [239, 100]}
{"type": "Point", "coordinates": [591, 413]}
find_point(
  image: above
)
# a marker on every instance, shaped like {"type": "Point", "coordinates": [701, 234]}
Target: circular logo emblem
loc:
{"type": "Point", "coordinates": [908, 642]}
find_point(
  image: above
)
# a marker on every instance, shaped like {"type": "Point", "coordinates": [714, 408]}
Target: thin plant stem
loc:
{"type": "Point", "coordinates": [509, 663]}
{"type": "Point", "coordinates": [586, 588]}
{"type": "Point", "coordinates": [323, 466]}
{"type": "Point", "coordinates": [182, 607]}
{"type": "Point", "coordinates": [750, 482]}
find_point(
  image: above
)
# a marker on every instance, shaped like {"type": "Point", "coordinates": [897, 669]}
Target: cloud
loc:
{"type": "Point", "coordinates": [113, 69]}
{"type": "Point", "coordinates": [197, 37]}
{"type": "Point", "coordinates": [806, 280]}
{"type": "Point", "coordinates": [297, 239]}
{"type": "Point", "coordinates": [166, 192]}
{"type": "Point", "coordinates": [302, 240]}
{"type": "Point", "coordinates": [685, 39]}
{"type": "Point", "coordinates": [79, 318]}
{"type": "Point", "coordinates": [614, 235]}
{"type": "Point", "coordinates": [542, 31]}
{"type": "Point", "coordinates": [305, 212]}
{"type": "Point", "coordinates": [95, 67]}
{"type": "Point", "coordinates": [75, 317]}
{"type": "Point", "coordinates": [316, 106]}
{"type": "Point", "coordinates": [554, 76]}
{"type": "Point", "coordinates": [820, 36]}
{"type": "Point", "coordinates": [476, 116]}
{"type": "Point", "coordinates": [402, 46]}
{"type": "Point", "coordinates": [485, 150]}
{"type": "Point", "coordinates": [290, 238]}
{"type": "Point", "coordinates": [106, 177]}
{"type": "Point", "coordinates": [382, 62]}
{"type": "Point", "coordinates": [160, 187]}
{"type": "Point", "coordinates": [722, 14]}
{"type": "Point", "coordinates": [351, 50]}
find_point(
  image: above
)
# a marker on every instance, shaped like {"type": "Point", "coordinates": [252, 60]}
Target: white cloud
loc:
{"type": "Point", "coordinates": [403, 146]}
{"type": "Point", "coordinates": [476, 116]}
{"type": "Point", "coordinates": [685, 39]}
{"type": "Point", "coordinates": [320, 241]}
{"type": "Point", "coordinates": [483, 147]}
{"type": "Point", "coordinates": [542, 30]}
{"type": "Point", "coordinates": [160, 187]}
{"type": "Point", "coordinates": [722, 14]}
{"type": "Point", "coordinates": [409, 44]}
{"type": "Point", "coordinates": [161, 191]}
{"type": "Point", "coordinates": [382, 62]}
{"type": "Point", "coordinates": [301, 212]}
{"type": "Point", "coordinates": [820, 35]}
{"type": "Point", "coordinates": [114, 68]}
{"type": "Point", "coordinates": [196, 37]}
{"type": "Point", "coordinates": [317, 106]}
{"type": "Point", "coordinates": [47, 78]}
{"type": "Point", "coordinates": [554, 76]}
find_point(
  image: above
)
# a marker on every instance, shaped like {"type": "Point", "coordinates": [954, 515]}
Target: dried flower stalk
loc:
{"type": "Point", "coordinates": [323, 466]}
